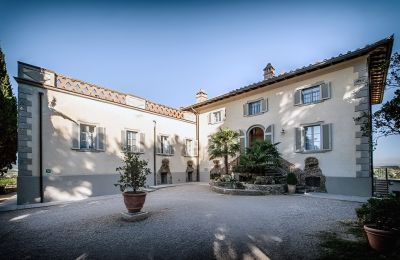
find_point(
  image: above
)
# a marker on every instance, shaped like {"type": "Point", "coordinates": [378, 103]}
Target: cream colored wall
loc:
{"type": "Point", "coordinates": [338, 110]}
{"type": "Point", "coordinates": [57, 136]}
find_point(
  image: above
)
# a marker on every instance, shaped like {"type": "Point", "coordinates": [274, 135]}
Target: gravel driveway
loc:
{"type": "Point", "coordinates": [186, 222]}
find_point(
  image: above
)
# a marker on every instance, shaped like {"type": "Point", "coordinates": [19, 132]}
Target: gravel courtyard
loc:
{"type": "Point", "coordinates": [186, 222]}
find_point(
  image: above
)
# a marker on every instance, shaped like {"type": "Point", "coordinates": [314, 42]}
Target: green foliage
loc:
{"type": "Point", "coordinates": [223, 144]}
{"type": "Point", "coordinates": [260, 158]}
{"type": "Point", "coordinates": [291, 178]}
{"type": "Point", "coordinates": [5, 181]}
{"type": "Point", "coordinates": [133, 173]}
{"type": "Point", "coordinates": [382, 213]}
{"type": "Point", "coordinates": [8, 120]}
{"type": "Point", "coordinates": [393, 173]}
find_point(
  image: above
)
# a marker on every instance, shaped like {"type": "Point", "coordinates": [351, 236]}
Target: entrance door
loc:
{"type": "Point", "coordinates": [256, 134]}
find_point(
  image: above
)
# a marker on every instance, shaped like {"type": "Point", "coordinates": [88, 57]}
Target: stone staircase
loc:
{"type": "Point", "coordinates": [381, 187]}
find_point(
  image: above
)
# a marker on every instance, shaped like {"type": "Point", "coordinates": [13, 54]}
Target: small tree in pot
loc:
{"type": "Point", "coordinates": [291, 182]}
{"type": "Point", "coordinates": [133, 176]}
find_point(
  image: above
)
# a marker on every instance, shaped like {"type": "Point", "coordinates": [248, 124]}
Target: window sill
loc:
{"type": "Point", "coordinates": [87, 150]}
{"type": "Point", "coordinates": [165, 154]}
{"type": "Point", "coordinates": [187, 155]}
{"type": "Point", "coordinates": [312, 103]}
{"type": "Point", "coordinates": [256, 114]}
{"type": "Point", "coordinates": [216, 123]}
{"type": "Point", "coordinates": [313, 151]}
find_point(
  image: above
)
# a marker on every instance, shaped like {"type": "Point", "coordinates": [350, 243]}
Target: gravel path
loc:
{"type": "Point", "coordinates": [186, 222]}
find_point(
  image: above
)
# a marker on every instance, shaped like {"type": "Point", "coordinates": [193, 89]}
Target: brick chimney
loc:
{"type": "Point", "coordinates": [201, 96]}
{"type": "Point", "coordinates": [269, 71]}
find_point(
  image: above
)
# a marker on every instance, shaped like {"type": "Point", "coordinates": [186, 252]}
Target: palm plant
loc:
{"type": "Point", "coordinates": [260, 157]}
{"type": "Point", "coordinates": [223, 144]}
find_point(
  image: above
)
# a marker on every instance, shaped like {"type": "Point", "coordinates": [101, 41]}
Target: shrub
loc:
{"type": "Point", "coordinates": [382, 213]}
{"type": "Point", "coordinates": [5, 181]}
{"type": "Point", "coordinates": [260, 158]}
{"type": "Point", "coordinates": [133, 173]}
{"type": "Point", "coordinates": [291, 178]}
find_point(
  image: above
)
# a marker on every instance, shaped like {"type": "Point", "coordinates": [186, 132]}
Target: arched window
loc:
{"type": "Point", "coordinates": [255, 133]}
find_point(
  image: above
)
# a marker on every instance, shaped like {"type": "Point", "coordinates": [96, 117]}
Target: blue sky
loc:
{"type": "Point", "coordinates": [166, 50]}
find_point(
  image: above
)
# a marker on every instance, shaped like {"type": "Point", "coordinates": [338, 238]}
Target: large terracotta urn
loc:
{"type": "Point", "coordinates": [381, 240]}
{"type": "Point", "coordinates": [134, 201]}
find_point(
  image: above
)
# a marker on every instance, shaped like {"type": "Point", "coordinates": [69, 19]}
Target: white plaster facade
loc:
{"type": "Point", "coordinates": [70, 173]}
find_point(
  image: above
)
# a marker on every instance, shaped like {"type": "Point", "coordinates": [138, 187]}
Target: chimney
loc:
{"type": "Point", "coordinates": [269, 71]}
{"type": "Point", "coordinates": [201, 96]}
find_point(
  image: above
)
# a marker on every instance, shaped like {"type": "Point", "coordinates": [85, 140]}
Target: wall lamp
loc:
{"type": "Point", "coordinates": [282, 131]}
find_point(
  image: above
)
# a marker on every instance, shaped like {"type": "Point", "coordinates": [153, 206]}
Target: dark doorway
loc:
{"type": "Point", "coordinates": [190, 176]}
{"type": "Point", "coordinates": [255, 134]}
{"type": "Point", "coordinates": [164, 179]}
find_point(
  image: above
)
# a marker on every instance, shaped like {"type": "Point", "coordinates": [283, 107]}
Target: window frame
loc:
{"type": "Point", "coordinates": [168, 151]}
{"type": "Point", "coordinates": [317, 86]}
{"type": "Point", "coordinates": [312, 126]}
{"type": "Point", "coordinates": [259, 101]}
{"type": "Point", "coordinates": [211, 115]}
{"type": "Point", "coordinates": [137, 140]}
{"type": "Point", "coordinates": [94, 137]}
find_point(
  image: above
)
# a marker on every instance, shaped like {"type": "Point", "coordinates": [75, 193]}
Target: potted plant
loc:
{"type": "Point", "coordinates": [291, 182]}
{"type": "Point", "coordinates": [132, 178]}
{"type": "Point", "coordinates": [380, 218]}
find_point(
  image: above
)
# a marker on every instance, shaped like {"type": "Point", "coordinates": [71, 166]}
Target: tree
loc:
{"type": "Point", "coordinates": [8, 120]}
{"type": "Point", "coordinates": [223, 144]}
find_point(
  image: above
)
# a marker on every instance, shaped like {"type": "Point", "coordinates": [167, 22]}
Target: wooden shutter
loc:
{"type": "Point", "coordinates": [158, 144]}
{"type": "Point", "coordinates": [142, 143]}
{"type": "Point", "coordinates": [223, 114]}
{"type": "Point", "coordinates": [101, 138]}
{"type": "Point", "coordinates": [75, 135]}
{"type": "Point", "coordinates": [297, 97]}
{"type": "Point", "coordinates": [123, 140]}
{"type": "Point", "coordinates": [298, 141]}
{"type": "Point", "coordinates": [326, 136]}
{"type": "Point", "coordinates": [171, 149]}
{"type": "Point", "coordinates": [269, 134]}
{"type": "Point", "coordinates": [209, 118]}
{"type": "Point", "coordinates": [195, 147]}
{"type": "Point", "coordinates": [246, 109]}
{"type": "Point", "coordinates": [264, 105]}
{"type": "Point", "coordinates": [242, 141]}
{"type": "Point", "coordinates": [325, 91]}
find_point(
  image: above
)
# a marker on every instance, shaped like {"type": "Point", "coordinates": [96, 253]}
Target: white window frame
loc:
{"type": "Point", "coordinates": [213, 119]}
{"type": "Point", "coordinates": [305, 137]}
{"type": "Point", "coordinates": [259, 101]}
{"type": "Point", "coordinates": [318, 86]}
{"type": "Point", "coordinates": [189, 150]}
{"type": "Point", "coordinates": [94, 146]}
{"type": "Point", "coordinates": [165, 149]}
{"type": "Point", "coordinates": [137, 141]}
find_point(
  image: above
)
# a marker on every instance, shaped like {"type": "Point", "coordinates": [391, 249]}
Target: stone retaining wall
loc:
{"type": "Point", "coordinates": [252, 190]}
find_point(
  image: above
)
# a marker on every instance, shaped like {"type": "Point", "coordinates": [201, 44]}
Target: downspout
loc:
{"type": "Point", "coordinates": [40, 148]}
{"type": "Point", "coordinates": [371, 149]}
{"type": "Point", "coordinates": [198, 145]}
{"type": "Point", "coordinates": [154, 151]}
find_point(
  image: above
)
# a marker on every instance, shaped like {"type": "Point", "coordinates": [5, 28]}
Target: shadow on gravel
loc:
{"type": "Point", "coordinates": [350, 244]}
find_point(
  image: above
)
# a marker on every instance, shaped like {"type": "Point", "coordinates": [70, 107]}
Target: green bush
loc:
{"type": "Point", "coordinates": [5, 181]}
{"type": "Point", "coordinates": [259, 159]}
{"type": "Point", "coordinates": [291, 178]}
{"type": "Point", "coordinates": [382, 213]}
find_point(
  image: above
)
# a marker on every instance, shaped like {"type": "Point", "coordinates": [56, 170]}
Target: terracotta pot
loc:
{"type": "Point", "coordinates": [134, 201]}
{"type": "Point", "coordinates": [381, 240]}
{"type": "Point", "coordinates": [291, 189]}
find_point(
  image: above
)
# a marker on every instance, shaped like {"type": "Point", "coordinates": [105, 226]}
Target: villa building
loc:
{"type": "Point", "coordinates": [72, 133]}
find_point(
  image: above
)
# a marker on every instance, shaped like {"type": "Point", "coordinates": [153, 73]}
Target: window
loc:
{"type": "Point", "coordinates": [317, 93]}
{"type": "Point", "coordinates": [189, 147]}
{"type": "Point", "coordinates": [87, 137]}
{"type": "Point", "coordinates": [131, 141]}
{"type": "Point", "coordinates": [312, 137]}
{"type": "Point", "coordinates": [217, 116]}
{"type": "Point", "coordinates": [311, 95]}
{"type": "Point", "coordinates": [255, 108]}
{"type": "Point", "coordinates": [164, 146]}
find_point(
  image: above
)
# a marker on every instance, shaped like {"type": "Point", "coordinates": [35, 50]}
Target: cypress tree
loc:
{"type": "Point", "coordinates": [8, 120]}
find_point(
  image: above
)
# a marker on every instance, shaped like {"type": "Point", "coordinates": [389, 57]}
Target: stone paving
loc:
{"type": "Point", "coordinates": [185, 222]}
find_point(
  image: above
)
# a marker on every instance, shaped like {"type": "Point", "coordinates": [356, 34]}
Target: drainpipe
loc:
{"type": "Point", "coordinates": [371, 152]}
{"type": "Point", "coordinates": [40, 148]}
{"type": "Point", "coordinates": [154, 151]}
{"type": "Point", "coordinates": [198, 145]}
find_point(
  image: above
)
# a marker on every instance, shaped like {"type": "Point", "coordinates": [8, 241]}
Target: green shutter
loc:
{"type": "Point", "coordinates": [297, 97]}
{"type": "Point", "coordinates": [264, 105]}
{"type": "Point", "coordinates": [101, 138]}
{"type": "Point", "coordinates": [327, 137]}
{"type": "Point", "coordinates": [325, 91]}
{"type": "Point", "coordinates": [75, 136]}
{"type": "Point", "coordinates": [142, 143]}
{"type": "Point", "coordinates": [245, 109]}
{"type": "Point", "coordinates": [298, 137]}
